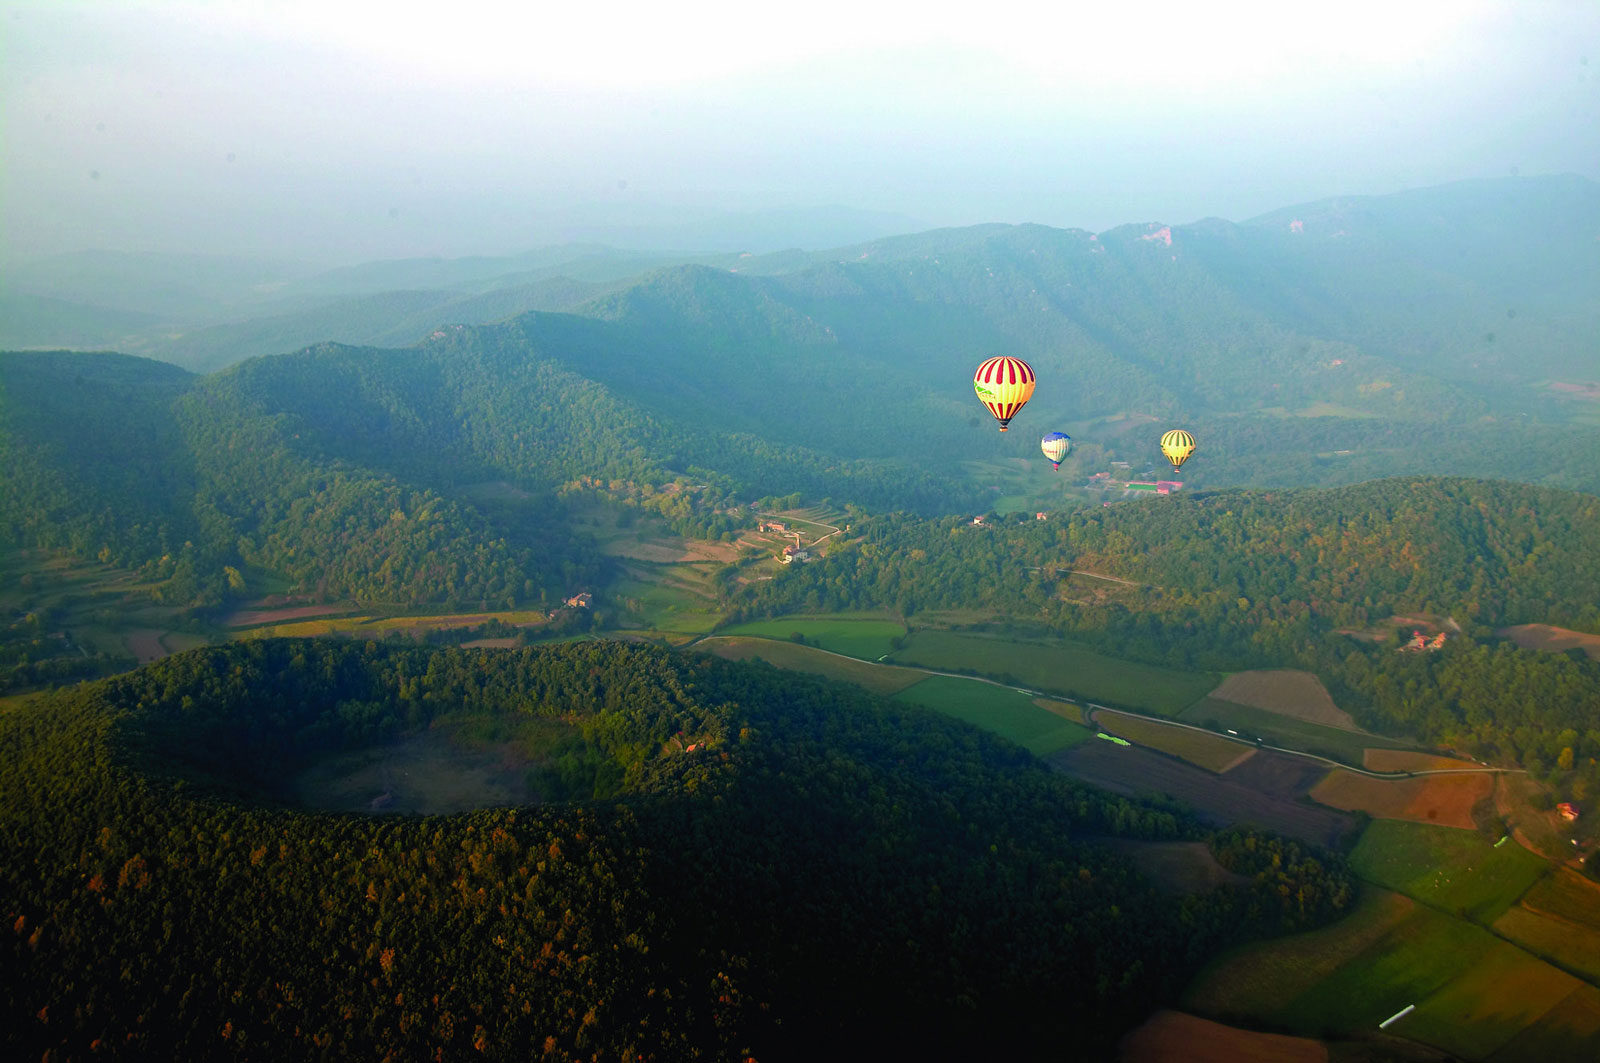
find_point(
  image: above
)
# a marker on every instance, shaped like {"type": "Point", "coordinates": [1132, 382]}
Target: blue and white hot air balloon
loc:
{"type": "Point", "coordinates": [1055, 447]}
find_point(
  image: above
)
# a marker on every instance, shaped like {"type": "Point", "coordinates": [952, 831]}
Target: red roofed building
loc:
{"type": "Point", "coordinates": [1568, 810]}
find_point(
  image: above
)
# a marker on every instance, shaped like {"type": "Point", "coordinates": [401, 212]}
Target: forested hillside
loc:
{"type": "Point", "coordinates": [1271, 578]}
{"type": "Point", "coordinates": [753, 864]}
{"type": "Point", "coordinates": [341, 468]}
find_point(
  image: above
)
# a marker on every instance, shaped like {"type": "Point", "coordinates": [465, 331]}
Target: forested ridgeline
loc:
{"type": "Point", "coordinates": [340, 468]}
{"type": "Point", "coordinates": [1271, 578]}
{"type": "Point", "coordinates": [787, 868]}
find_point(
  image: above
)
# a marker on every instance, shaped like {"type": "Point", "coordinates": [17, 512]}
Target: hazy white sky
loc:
{"type": "Point", "coordinates": [347, 130]}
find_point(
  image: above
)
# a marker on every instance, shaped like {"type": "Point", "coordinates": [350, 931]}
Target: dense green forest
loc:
{"type": "Point", "coordinates": [342, 469]}
{"type": "Point", "coordinates": [746, 863]}
{"type": "Point", "coordinates": [1261, 578]}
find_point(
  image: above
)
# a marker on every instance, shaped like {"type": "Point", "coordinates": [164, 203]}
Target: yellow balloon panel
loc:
{"type": "Point", "coordinates": [1177, 445]}
{"type": "Point", "coordinates": [1004, 385]}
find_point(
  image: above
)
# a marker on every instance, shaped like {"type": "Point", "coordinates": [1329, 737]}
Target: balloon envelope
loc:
{"type": "Point", "coordinates": [1177, 445]}
{"type": "Point", "coordinates": [1004, 385]}
{"type": "Point", "coordinates": [1055, 447]}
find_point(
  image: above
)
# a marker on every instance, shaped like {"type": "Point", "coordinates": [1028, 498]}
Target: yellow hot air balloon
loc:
{"type": "Point", "coordinates": [1177, 445]}
{"type": "Point", "coordinates": [1004, 385]}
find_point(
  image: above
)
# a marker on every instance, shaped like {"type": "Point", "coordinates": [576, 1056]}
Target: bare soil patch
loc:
{"type": "Point", "coordinates": [1552, 639]}
{"type": "Point", "coordinates": [1217, 799]}
{"type": "Point", "coordinates": [428, 773]}
{"type": "Point", "coordinates": [1279, 774]}
{"type": "Point", "coordinates": [1444, 800]}
{"type": "Point", "coordinates": [252, 617]}
{"type": "Point", "coordinates": [1174, 1037]}
{"type": "Point", "coordinates": [1408, 760]}
{"type": "Point", "coordinates": [1287, 692]}
{"type": "Point", "coordinates": [145, 644]}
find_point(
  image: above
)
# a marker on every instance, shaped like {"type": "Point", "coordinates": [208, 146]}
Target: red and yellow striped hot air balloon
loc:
{"type": "Point", "coordinates": [1004, 385]}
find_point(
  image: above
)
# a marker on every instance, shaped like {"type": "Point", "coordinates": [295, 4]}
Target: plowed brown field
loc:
{"type": "Point", "coordinates": [1406, 760]}
{"type": "Point", "coordinates": [1445, 800]}
{"type": "Point", "coordinates": [1266, 797]}
{"type": "Point", "coordinates": [1553, 639]}
{"type": "Point", "coordinates": [1287, 692]}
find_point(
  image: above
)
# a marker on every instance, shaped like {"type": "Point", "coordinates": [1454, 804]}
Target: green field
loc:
{"type": "Point", "coordinates": [664, 606]}
{"type": "Point", "coordinates": [1570, 1030]}
{"type": "Point", "coordinates": [1572, 947]}
{"type": "Point", "coordinates": [1473, 992]}
{"type": "Point", "coordinates": [866, 637]}
{"type": "Point", "coordinates": [1007, 713]}
{"type": "Point", "coordinates": [1059, 668]}
{"type": "Point", "coordinates": [1286, 731]}
{"type": "Point", "coordinates": [1263, 978]}
{"type": "Point", "coordinates": [880, 679]}
{"type": "Point", "coordinates": [1455, 870]}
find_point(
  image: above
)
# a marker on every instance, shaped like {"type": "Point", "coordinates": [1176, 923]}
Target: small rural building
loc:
{"type": "Point", "coordinates": [1568, 810]}
{"type": "Point", "coordinates": [580, 601]}
{"type": "Point", "coordinates": [1041, 516]}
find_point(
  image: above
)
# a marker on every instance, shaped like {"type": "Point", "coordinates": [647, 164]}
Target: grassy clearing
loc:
{"type": "Point", "coordinates": [1204, 750]}
{"type": "Point", "coordinates": [1060, 668]}
{"type": "Point", "coordinates": [867, 637]}
{"type": "Point", "coordinates": [1007, 713]}
{"type": "Point", "coordinates": [1445, 800]}
{"type": "Point", "coordinates": [1552, 639]}
{"type": "Point", "coordinates": [1279, 730]}
{"type": "Point", "coordinates": [1263, 978]}
{"type": "Point", "coordinates": [1456, 870]}
{"type": "Point", "coordinates": [664, 606]}
{"type": "Point", "coordinates": [874, 677]}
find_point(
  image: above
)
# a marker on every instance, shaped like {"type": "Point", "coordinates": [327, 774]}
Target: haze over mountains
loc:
{"type": "Point", "coordinates": [1442, 330]}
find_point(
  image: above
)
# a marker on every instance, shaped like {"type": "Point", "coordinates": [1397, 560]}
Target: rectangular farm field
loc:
{"type": "Point", "coordinates": [867, 638]}
{"type": "Point", "coordinates": [1348, 747]}
{"type": "Point", "coordinates": [1059, 667]}
{"type": "Point", "coordinates": [1456, 870]}
{"type": "Point", "coordinates": [880, 679]}
{"type": "Point", "coordinates": [1007, 713]}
